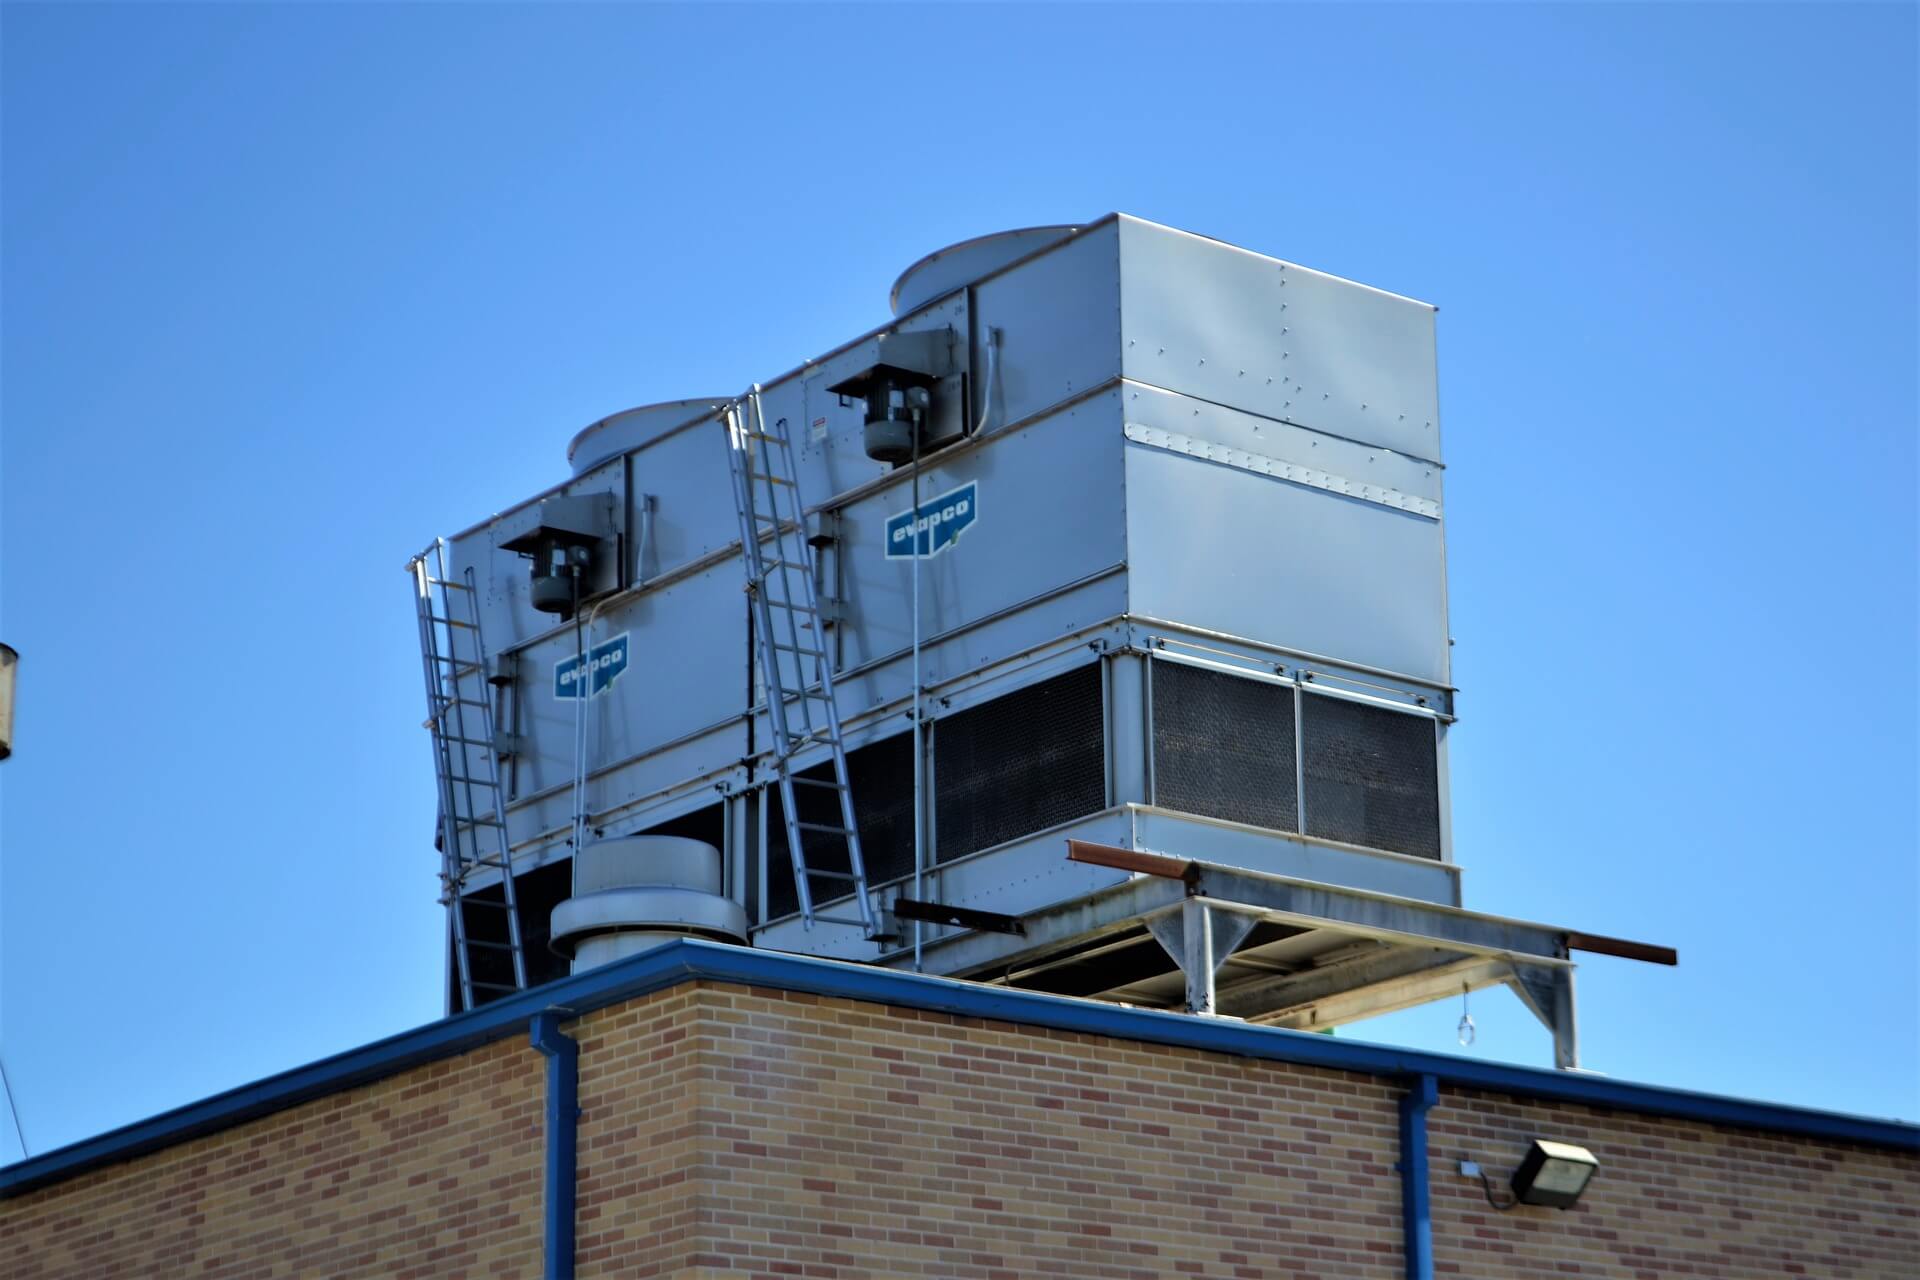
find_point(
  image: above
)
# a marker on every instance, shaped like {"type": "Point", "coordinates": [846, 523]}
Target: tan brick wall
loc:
{"type": "Point", "coordinates": [729, 1132]}
{"type": "Point", "coordinates": [433, 1172]}
{"type": "Point", "coordinates": [1672, 1198]}
{"type": "Point", "coordinates": [646, 1124]}
{"type": "Point", "coordinates": [825, 1137]}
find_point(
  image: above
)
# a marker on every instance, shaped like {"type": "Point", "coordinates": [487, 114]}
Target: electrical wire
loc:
{"type": "Point", "coordinates": [14, 1110]}
{"type": "Point", "coordinates": [1486, 1184]}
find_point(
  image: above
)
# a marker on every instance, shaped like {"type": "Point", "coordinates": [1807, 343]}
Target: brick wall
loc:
{"type": "Point", "coordinates": [1672, 1198]}
{"type": "Point", "coordinates": [739, 1132]}
{"type": "Point", "coordinates": [433, 1172]}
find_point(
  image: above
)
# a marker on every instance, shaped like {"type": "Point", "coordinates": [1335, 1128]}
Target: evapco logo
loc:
{"type": "Point", "coordinates": [592, 676]}
{"type": "Point", "coordinates": [936, 526]}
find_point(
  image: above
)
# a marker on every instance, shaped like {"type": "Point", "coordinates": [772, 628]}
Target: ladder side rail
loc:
{"type": "Point", "coordinates": [823, 670]}
{"type": "Point", "coordinates": [739, 461]}
{"type": "Point", "coordinates": [449, 820]}
{"type": "Point", "coordinates": [790, 549]}
{"type": "Point", "coordinates": [472, 854]}
{"type": "Point", "coordinates": [508, 891]}
{"type": "Point", "coordinates": [739, 467]}
{"type": "Point", "coordinates": [801, 556]}
{"type": "Point", "coordinates": [450, 719]}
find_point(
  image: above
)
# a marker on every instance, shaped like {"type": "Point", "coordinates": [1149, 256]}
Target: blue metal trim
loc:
{"type": "Point", "coordinates": [692, 960]}
{"type": "Point", "coordinates": [1416, 1201]}
{"type": "Point", "coordinates": [563, 1123]}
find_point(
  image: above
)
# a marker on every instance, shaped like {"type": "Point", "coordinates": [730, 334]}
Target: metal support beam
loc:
{"type": "Point", "coordinates": [1548, 993]}
{"type": "Point", "coordinates": [1200, 938]}
{"type": "Point", "coordinates": [1385, 970]}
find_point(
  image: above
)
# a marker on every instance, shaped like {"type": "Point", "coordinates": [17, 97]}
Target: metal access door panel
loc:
{"type": "Point", "coordinates": [1044, 514]}
{"type": "Point", "coordinates": [1219, 546]}
{"type": "Point", "coordinates": [685, 670]}
{"type": "Point", "coordinates": [1279, 340]}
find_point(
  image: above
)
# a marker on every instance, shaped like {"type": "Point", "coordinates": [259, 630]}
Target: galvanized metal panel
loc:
{"type": "Point", "coordinates": [1049, 499]}
{"type": "Point", "coordinates": [1231, 550]}
{"type": "Point", "coordinates": [1229, 844]}
{"type": "Point", "coordinates": [1059, 321]}
{"type": "Point", "coordinates": [1237, 328]}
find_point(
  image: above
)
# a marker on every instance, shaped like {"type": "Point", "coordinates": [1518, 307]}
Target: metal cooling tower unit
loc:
{"type": "Point", "coordinates": [1083, 629]}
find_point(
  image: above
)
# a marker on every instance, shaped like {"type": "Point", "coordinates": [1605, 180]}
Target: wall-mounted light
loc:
{"type": "Point", "coordinates": [9, 668]}
{"type": "Point", "coordinates": [1553, 1174]}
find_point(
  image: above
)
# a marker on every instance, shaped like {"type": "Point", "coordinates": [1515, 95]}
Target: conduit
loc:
{"type": "Point", "coordinates": [562, 1125]}
{"type": "Point", "coordinates": [1416, 1218]}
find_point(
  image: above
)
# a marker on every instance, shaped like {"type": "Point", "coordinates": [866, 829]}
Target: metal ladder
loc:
{"type": "Point", "coordinates": [473, 828]}
{"type": "Point", "coordinates": [801, 708]}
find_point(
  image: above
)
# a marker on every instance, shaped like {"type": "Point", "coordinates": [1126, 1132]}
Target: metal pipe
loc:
{"type": "Point", "coordinates": [562, 1124]}
{"type": "Point", "coordinates": [919, 738]}
{"type": "Point", "coordinates": [985, 424]}
{"type": "Point", "coordinates": [1416, 1218]}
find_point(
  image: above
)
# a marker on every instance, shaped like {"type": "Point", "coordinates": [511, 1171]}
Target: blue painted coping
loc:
{"type": "Point", "coordinates": [689, 960]}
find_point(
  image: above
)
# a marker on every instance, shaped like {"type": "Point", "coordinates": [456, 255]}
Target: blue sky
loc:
{"type": "Point", "coordinates": [286, 291]}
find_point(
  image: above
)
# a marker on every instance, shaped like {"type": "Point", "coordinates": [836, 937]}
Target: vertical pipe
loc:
{"type": "Point", "coordinates": [563, 1116]}
{"type": "Point", "coordinates": [1415, 1192]}
{"type": "Point", "coordinates": [919, 739]}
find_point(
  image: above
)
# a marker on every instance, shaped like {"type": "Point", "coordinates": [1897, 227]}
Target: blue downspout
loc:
{"type": "Point", "coordinates": [1415, 1199]}
{"type": "Point", "coordinates": [563, 1113]}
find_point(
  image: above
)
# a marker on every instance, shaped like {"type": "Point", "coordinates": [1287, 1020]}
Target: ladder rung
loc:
{"type": "Point", "coordinates": [447, 704]}
{"type": "Point", "coordinates": [858, 924]}
{"type": "Point", "coordinates": [815, 782]}
{"type": "Point", "coordinates": [766, 477]}
{"type": "Point", "coordinates": [480, 822]}
{"type": "Point", "coordinates": [491, 986]}
{"type": "Point", "coordinates": [761, 435]}
{"type": "Point", "coordinates": [485, 902]}
{"type": "Point", "coordinates": [472, 782]}
{"type": "Point", "coordinates": [449, 582]}
{"type": "Point", "coordinates": [470, 742]}
{"type": "Point", "coordinates": [491, 946]}
{"type": "Point", "coordinates": [451, 622]}
{"type": "Point", "coordinates": [790, 648]}
{"type": "Point", "coordinates": [832, 875]}
{"type": "Point", "coordinates": [815, 826]}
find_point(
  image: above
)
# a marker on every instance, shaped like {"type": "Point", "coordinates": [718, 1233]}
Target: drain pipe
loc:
{"type": "Point", "coordinates": [1416, 1218]}
{"type": "Point", "coordinates": [563, 1116]}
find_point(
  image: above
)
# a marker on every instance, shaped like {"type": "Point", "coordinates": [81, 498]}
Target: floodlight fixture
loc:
{"type": "Point", "coordinates": [1553, 1174]}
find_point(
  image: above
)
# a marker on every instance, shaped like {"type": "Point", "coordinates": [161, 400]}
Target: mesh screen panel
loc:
{"type": "Point", "coordinates": [881, 774]}
{"type": "Point", "coordinates": [1020, 763]}
{"type": "Point", "coordinates": [1372, 776]}
{"type": "Point", "coordinates": [1223, 746]}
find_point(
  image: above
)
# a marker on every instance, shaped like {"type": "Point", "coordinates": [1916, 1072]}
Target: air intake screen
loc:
{"type": "Point", "coordinates": [1372, 776]}
{"type": "Point", "coordinates": [1223, 746]}
{"type": "Point", "coordinates": [1020, 764]}
{"type": "Point", "coordinates": [882, 778]}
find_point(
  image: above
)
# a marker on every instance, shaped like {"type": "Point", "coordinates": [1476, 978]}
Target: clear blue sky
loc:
{"type": "Point", "coordinates": [289, 290]}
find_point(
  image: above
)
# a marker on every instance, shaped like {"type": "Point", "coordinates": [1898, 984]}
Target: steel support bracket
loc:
{"type": "Point", "coordinates": [1200, 937]}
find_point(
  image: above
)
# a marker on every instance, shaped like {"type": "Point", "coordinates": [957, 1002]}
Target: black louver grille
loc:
{"type": "Point", "coordinates": [1223, 746]}
{"type": "Point", "coordinates": [1020, 764]}
{"type": "Point", "coordinates": [1372, 776]}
